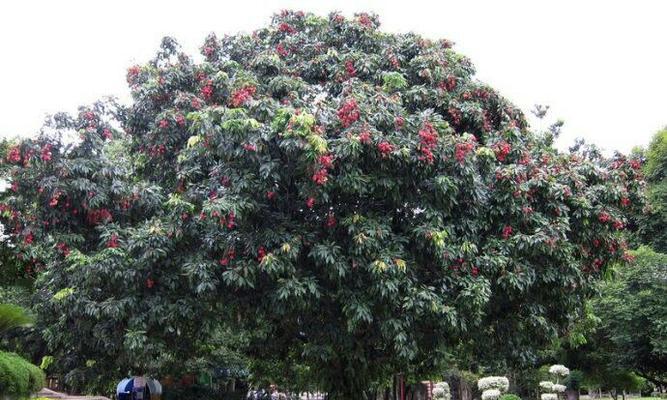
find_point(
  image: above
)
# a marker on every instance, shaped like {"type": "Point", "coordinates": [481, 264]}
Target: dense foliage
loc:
{"type": "Point", "coordinates": [19, 378]}
{"type": "Point", "coordinates": [633, 314]}
{"type": "Point", "coordinates": [655, 168]}
{"type": "Point", "coordinates": [355, 199]}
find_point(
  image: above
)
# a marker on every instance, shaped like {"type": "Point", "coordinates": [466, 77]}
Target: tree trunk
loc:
{"type": "Point", "coordinates": [465, 392]}
{"type": "Point", "coordinates": [572, 394]}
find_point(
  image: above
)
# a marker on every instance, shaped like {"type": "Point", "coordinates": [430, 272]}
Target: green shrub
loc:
{"type": "Point", "coordinates": [573, 381]}
{"type": "Point", "coordinates": [18, 377]}
{"type": "Point", "coordinates": [509, 396]}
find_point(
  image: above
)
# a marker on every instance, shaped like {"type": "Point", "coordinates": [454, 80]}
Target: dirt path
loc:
{"type": "Point", "coordinates": [50, 394]}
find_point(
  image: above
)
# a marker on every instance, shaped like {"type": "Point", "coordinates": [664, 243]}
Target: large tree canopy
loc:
{"type": "Point", "coordinates": [355, 198]}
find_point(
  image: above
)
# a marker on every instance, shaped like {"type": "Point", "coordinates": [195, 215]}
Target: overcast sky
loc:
{"type": "Point", "coordinates": [600, 65]}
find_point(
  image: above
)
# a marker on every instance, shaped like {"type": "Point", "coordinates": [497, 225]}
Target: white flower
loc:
{"type": "Point", "coordinates": [559, 388]}
{"type": "Point", "coordinates": [547, 386]}
{"type": "Point", "coordinates": [491, 394]}
{"type": "Point", "coordinates": [493, 382]}
{"type": "Point", "coordinates": [441, 391]}
{"type": "Point", "coordinates": [559, 370]}
{"type": "Point", "coordinates": [549, 396]}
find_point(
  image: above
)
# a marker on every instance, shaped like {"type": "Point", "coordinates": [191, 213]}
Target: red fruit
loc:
{"type": "Point", "coordinates": [249, 147]}
{"type": "Point", "coordinates": [428, 141]}
{"type": "Point", "coordinates": [224, 261]}
{"type": "Point", "coordinates": [625, 202]}
{"type": "Point", "coordinates": [331, 220]}
{"type": "Point", "coordinates": [261, 253]}
{"type": "Point", "coordinates": [326, 161]}
{"type": "Point", "coordinates": [46, 153]}
{"type": "Point", "coordinates": [507, 232]}
{"type": "Point", "coordinates": [270, 195]}
{"type": "Point", "coordinates": [14, 155]}
{"type": "Point", "coordinates": [28, 238]}
{"type": "Point", "coordinates": [310, 203]}
{"type": "Point", "coordinates": [54, 200]}
{"type": "Point", "coordinates": [64, 249]}
{"type": "Point", "coordinates": [399, 122]}
{"type": "Point", "coordinates": [106, 134]}
{"type": "Point", "coordinates": [502, 149]}
{"type": "Point", "coordinates": [365, 20]}
{"type": "Point", "coordinates": [365, 137]}
{"type": "Point", "coordinates": [385, 148]}
{"type": "Point", "coordinates": [180, 120]}
{"type": "Point", "coordinates": [462, 150]}
{"type": "Point", "coordinates": [281, 50]}
{"type": "Point", "coordinates": [133, 73]}
{"type": "Point", "coordinates": [113, 241]}
{"type": "Point", "coordinates": [320, 177]}
{"type": "Point", "coordinates": [150, 283]}
{"type": "Point", "coordinates": [455, 114]}
{"type": "Point", "coordinates": [231, 220]}
{"type": "Point", "coordinates": [241, 96]}
{"type": "Point", "coordinates": [474, 271]}
{"type": "Point", "coordinates": [604, 217]}
{"type": "Point", "coordinates": [348, 113]}
{"type": "Point", "coordinates": [349, 68]}
{"type": "Point", "coordinates": [286, 28]}
{"type": "Point", "coordinates": [206, 93]}
{"type": "Point", "coordinates": [164, 124]}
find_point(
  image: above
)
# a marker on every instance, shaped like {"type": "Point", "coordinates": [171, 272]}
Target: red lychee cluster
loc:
{"type": "Point", "coordinates": [348, 113]}
{"type": "Point", "coordinates": [502, 149]}
{"type": "Point", "coordinates": [242, 96]}
{"type": "Point", "coordinates": [428, 140]}
{"type": "Point", "coordinates": [385, 148]}
{"type": "Point", "coordinates": [507, 232]}
{"type": "Point", "coordinates": [461, 150]}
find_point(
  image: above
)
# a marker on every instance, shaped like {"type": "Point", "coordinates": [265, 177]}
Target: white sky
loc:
{"type": "Point", "coordinates": [601, 65]}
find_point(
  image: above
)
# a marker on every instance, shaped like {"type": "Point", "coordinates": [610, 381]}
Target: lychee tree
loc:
{"type": "Point", "coordinates": [355, 199]}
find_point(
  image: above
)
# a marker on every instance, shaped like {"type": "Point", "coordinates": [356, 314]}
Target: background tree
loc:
{"type": "Point", "coordinates": [633, 311]}
{"type": "Point", "coordinates": [355, 199]}
{"type": "Point", "coordinates": [654, 222]}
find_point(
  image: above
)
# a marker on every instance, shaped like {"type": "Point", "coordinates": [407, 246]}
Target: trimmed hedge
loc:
{"type": "Point", "coordinates": [18, 377]}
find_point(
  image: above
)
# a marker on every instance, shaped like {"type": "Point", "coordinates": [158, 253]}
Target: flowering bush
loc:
{"type": "Point", "coordinates": [559, 370]}
{"type": "Point", "coordinates": [493, 382]}
{"type": "Point", "coordinates": [551, 389]}
{"type": "Point", "coordinates": [441, 391]}
{"type": "Point", "coordinates": [491, 394]}
{"type": "Point", "coordinates": [493, 386]}
{"type": "Point", "coordinates": [316, 172]}
{"type": "Point", "coordinates": [558, 388]}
